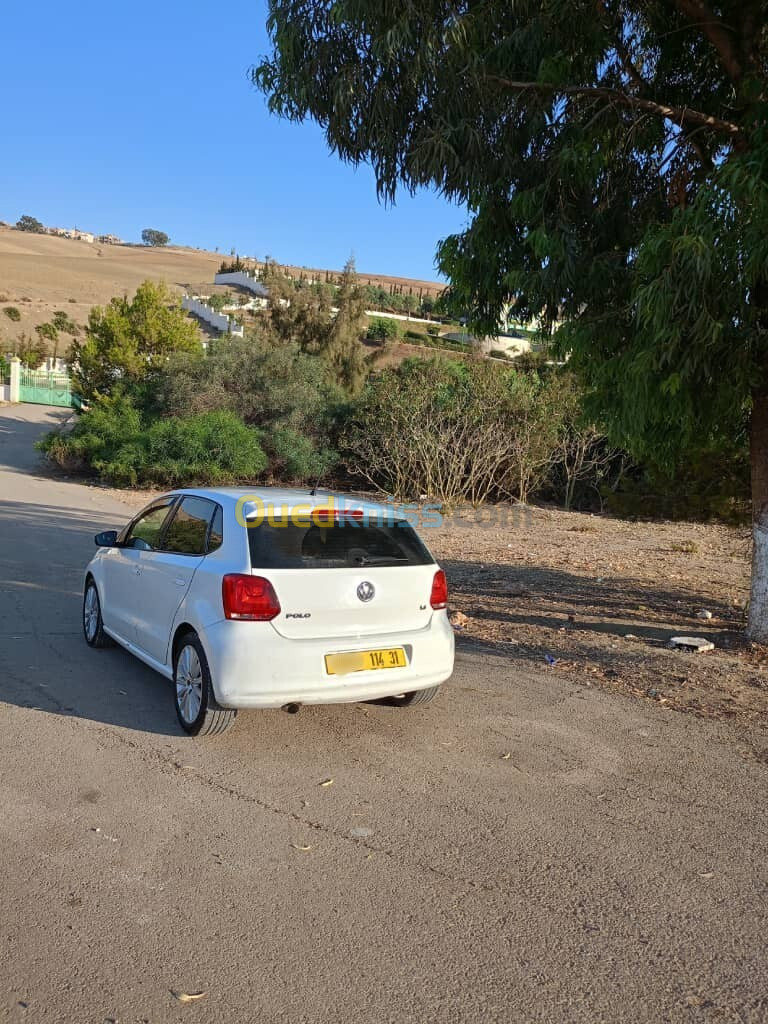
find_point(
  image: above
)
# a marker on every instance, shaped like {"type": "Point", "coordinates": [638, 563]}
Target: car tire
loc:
{"type": "Point", "coordinates": [197, 709]}
{"type": "Point", "coordinates": [93, 624]}
{"type": "Point", "coordinates": [418, 698]}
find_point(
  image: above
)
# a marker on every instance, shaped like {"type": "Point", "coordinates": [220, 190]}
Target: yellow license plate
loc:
{"type": "Point", "coordinates": [364, 661]}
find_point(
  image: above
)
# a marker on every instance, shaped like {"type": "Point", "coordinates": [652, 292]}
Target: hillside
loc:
{"type": "Point", "coordinates": [40, 274]}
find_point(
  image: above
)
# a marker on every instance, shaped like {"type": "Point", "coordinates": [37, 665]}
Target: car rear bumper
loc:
{"type": "Point", "coordinates": [252, 666]}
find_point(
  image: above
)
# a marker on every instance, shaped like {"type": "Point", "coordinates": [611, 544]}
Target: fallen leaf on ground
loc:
{"type": "Point", "coordinates": [707, 874]}
{"type": "Point", "coordinates": [188, 997]}
{"type": "Point", "coordinates": [327, 782]}
{"type": "Point", "coordinates": [298, 846]}
{"type": "Point", "coordinates": [505, 757]}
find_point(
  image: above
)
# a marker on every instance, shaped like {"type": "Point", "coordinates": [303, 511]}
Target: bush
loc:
{"type": "Point", "coordinates": [287, 393]}
{"type": "Point", "coordinates": [212, 448]}
{"type": "Point", "coordinates": [453, 430]}
{"type": "Point", "coordinates": [47, 331]}
{"type": "Point", "coordinates": [12, 313]}
{"type": "Point", "coordinates": [30, 352]}
{"type": "Point", "coordinates": [218, 301]}
{"type": "Point", "coordinates": [62, 321]}
{"type": "Point", "coordinates": [417, 336]}
{"type": "Point", "coordinates": [382, 328]}
{"type": "Point", "coordinates": [710, 482]}
{"type": "Point", "coordinates": [297, 458]}
{"type": "Point", "coordinates": [112, 440]}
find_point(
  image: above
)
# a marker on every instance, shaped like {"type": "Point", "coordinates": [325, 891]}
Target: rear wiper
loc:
{"type": "Point", "coordinates": [381, 561]}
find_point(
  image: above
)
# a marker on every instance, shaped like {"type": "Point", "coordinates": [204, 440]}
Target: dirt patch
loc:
{"type": "Point", "coordinates": [600, 598]}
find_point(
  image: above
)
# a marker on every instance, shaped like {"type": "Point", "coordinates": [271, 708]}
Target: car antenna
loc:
{"type": "Point", "coordinates": [313, 492]}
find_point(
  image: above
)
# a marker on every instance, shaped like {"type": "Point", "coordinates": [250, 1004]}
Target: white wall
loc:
{"type": "Point", "coordinates": [5, 392]}
{"type": "Point", "coordinates": [205, 312]}
{"type": "Point", "coordinates": [399, 316]}
{"type": "Point", "coordinates": [243, 279]}
{"type": "Point", "coordinates": [512, 346]}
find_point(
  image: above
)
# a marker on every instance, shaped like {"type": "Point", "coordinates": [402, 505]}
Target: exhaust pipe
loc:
{"type": "Point", "coordinates": [291, 709]}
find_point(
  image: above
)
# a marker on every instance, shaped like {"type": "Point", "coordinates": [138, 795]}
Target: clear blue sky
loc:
{"type": "Point", "coordinates": [121, 116]}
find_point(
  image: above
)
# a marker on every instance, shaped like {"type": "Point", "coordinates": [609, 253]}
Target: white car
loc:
{"type": "Point", "coordinates": [271, 598]}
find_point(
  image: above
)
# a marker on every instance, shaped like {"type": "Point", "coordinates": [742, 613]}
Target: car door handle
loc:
{"type": "Point", "coordinates": [180, 582]}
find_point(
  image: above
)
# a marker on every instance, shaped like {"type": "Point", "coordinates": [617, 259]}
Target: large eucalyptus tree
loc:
{"type": "Point", "coordinates": [613, 156]}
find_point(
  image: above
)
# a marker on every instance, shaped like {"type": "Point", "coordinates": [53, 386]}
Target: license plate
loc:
{"type": "Point", "coordinates": [364, 661]}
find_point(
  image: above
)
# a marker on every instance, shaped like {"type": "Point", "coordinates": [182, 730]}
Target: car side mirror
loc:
{"type": "Point", "coordinates": [107, 539]}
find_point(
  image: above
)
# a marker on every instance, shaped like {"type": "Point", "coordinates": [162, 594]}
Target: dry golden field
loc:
{"type": "Point", "coordinates": [40, 274]}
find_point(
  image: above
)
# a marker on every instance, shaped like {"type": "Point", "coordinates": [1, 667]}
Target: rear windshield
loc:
{"type": "Point", "coordinates": [336, 545]}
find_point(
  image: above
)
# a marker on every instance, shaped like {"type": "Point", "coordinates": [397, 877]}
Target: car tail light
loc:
{"type": "Point", "coordinates": [249, 597]}
{"type": "Point", "coordinates": [439, 596]}
{"type": "Point", "coordinates": [325, 515]}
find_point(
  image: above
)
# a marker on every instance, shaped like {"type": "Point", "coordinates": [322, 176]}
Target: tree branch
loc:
{"type": "Point", "coordinates": [622, 49]}
{"type": "Point", "coordinates": [717, 32]}
{"type": "Point", "coordinates": [680, 115]}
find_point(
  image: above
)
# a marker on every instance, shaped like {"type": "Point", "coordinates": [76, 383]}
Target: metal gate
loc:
{"type": "Point", "coordinates": [44, 388]}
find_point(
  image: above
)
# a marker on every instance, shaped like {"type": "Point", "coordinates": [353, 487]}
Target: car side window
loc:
{"type": "Point", "coordinates": [216, 536]}
{"type": "Point", "coordinates": [145, 532]}
{"type": "Point", "coordinates": [187, 533]}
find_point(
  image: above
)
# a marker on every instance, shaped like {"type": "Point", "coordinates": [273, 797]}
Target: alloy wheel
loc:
{"type": "Point", "coordinates": [91, 613]}
{"type": "Point", "coordinates": [189, 684]}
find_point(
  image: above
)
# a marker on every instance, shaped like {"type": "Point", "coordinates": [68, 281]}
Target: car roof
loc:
{"type": "Point", "coordinates": [286, 498]}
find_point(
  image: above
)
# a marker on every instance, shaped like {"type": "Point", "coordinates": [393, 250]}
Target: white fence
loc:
{"type": "Point", "coordinates": [207, 313]}
{"type": "Point", "coordinates": [242, 279]}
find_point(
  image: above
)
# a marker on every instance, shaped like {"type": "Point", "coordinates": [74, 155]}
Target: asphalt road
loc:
{"type": "Point", "coordinates": [612, 868]}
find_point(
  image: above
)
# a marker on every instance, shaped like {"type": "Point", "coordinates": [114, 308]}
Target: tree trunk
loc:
{"type": "Point", "coordinates": [757, 628]}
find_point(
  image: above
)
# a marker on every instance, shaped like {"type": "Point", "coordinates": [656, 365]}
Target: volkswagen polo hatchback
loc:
{"type": "Point", "coordinates": [269, 599]}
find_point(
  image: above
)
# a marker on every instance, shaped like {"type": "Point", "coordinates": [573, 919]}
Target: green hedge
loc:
{"type": "Point", "coordinates": [113, 440]}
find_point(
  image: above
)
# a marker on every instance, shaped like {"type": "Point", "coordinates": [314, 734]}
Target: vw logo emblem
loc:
{"type": "Point", "coordinates": [365, 591]}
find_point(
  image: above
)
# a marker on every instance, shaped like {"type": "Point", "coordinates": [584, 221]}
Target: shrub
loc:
{"type": "Point", "coordinates": [30, 352]}
{"type": "Point", "coordinates": [453, 430]}
{"type": "Point", "coordinates": [12, 313]}
{"type": "Point", "coordinates": [112, 440]}
{"type": "Point", "coordinates": [62, 321]}
{"type": "Point", "coordinates": [417, 338]}
{"type": "Point", "coordinates": [297, 458]}
{"type": "Point", "coordinates": [218, 301]}
{"type": "Point", "coordinates": [710, 481]}
{"type": "Point", "coordinates": [47, 331]}
{"type": "Point", "coordinates": [212, 448]}
{"type": "Point", "coordinates": [287, 393]}
{"type": "Point", "coordinates": [382, 328]}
